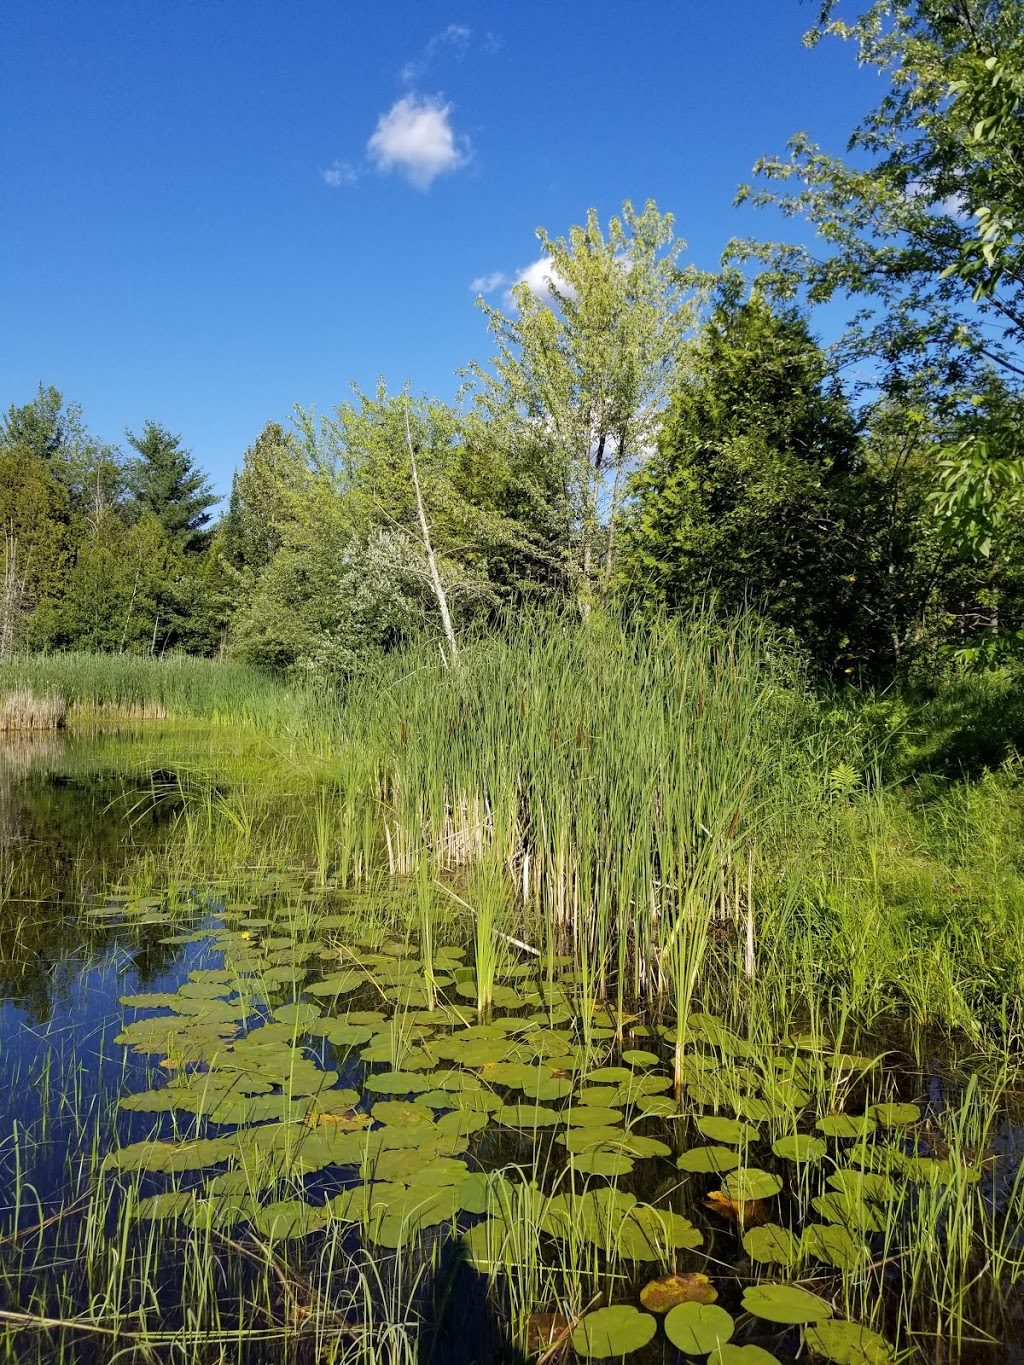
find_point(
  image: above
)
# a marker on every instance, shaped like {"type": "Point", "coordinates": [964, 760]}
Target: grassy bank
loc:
{"type": "Point", "coordinates": [83, 686]}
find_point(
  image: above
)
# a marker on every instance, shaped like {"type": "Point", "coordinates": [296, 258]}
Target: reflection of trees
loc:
{"type": "Point", "coordinates": [66, 832]}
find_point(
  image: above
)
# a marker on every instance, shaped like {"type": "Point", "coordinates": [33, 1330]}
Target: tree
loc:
{"type": "Point", "coordinates": [582, 374]}
{"type": "Point", "coordinates": [924, 225]}
{"type": "Point", "coordinates": [53, 432]}
{"type": "Point", "coordinates": [751, 493]}
{"type": "Point", "coordinates": [165, 481]}
{"type": "Point", "coordinates": [263, 496]}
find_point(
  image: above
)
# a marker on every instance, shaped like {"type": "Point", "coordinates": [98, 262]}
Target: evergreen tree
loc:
{"type": "Point", "coordinates": [165, 481]}
{"type": "Point", "coordinates": [751, 492]}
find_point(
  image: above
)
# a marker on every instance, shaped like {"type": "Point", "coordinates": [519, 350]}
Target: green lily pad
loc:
{"type": "Point", "coordinates": [613, 1332]}
{"type": "Point", "coordinates": [590, 1116]}
{"type": "Point", "coordinates": [299, 1014]}
{"type": "Point", "coordinates": [650, 1234]}
{"type": "Point", "coordinates": [894, 1116]}
{"type": "Point", "coordinates": [803, 1147]}
{"type": "Point", "coordinates": [601, 1161]}
{"type": "Point", "coordinates": [731, 1132]}
{"type": "Point", "coordinates": [609, 1075]}
{"type": "Point", "coordinates": [731, 1354]}
{"type": "Point", "coordinates": [847, 1126]}
{"type": "Point", "coordinates": [870, 1185]}
{"type": "Point", "coordinates": [771, 1244]}
{"type": "Point", "coordinates": [834, 1244]}
{"type": "Point", "coordinates": [636, 1057]}
{"type": "Point", "coordinates": [462, 1122]}
{"type": "Point", "coordinates": [749, 1183]}
{"type": "Point", "coordinates": [698, 1328]}
{"type": "Point", "coordinates": [846, 1343]}
{"type": "Point", "coordinates": [399, 1083]}
{"type": "Point", "coordinates": [402, 1114]}
{"type": "Point", "coordinates": [786, 1303]}
{"type": "Point", "coordinates": [290, 1218]}
{"type": "Point", "coordinates": [658, 1106]}
{"type": "Point", "coordinates": [526, 1116]}
{"type": "Point", "coordinates": [849, 1211]}
{"type": "Point", "coordinates": [708, 1160]}
{"type": "Point", "coordinates": [169, 1204]}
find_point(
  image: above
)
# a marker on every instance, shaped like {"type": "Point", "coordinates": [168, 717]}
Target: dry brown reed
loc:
{"type": "Point", "coordinates": [23, 710]}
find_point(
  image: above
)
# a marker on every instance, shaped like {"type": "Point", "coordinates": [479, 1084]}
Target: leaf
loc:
{"type": "Point", "coordinates": [741, 1355]}
{"type": "Point", "coordinates": [846, 1343]}
{"type": "Point", "coordinates": [847, 1126]}
{"type": "Point", "coordinates": [750, 1183]}
{"type": "Point", "coordinates": [662, 1294]}
{"type": "Point", "coordinates": [749, 1214]}
{"type": "Point", "coordinates": [732, 1132]}
{"type": "Point", "coordinates": [602, 1162]}
{"type": "Point", "coordinates": [834, 1244]}
{"type": "Point", "coordinates": [786, 1303]}
{"type": "Point", "coordinates": [290, 1218]}
{"type": "Point", "coordinates": [613, 1332]}
{"type": "Point", "coordinates": [895, 1115]}
{"type": "Point", "coordinates": [698, 1328]}
{"type": "Point", "coordinates": [771, 1244]}
{"type": "Point", "coordinates": [708, 1160]}
{"type": "Point", "coordinates": [803, 1147]}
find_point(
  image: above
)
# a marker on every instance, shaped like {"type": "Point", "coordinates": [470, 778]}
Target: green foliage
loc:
{"type": "Point", "coordinates": [582, 373]}
{"type": "Point", "coordinates": [755, 492]}
{"type": "Point", "coordinates": [165, 482]}
{"type": "Point", "coordinates": [928, 232]}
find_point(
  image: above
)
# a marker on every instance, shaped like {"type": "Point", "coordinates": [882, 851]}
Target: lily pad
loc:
{"type": "Point", "coordinates": [847, 1343]}
{"type": "Point", "coordinates": [601, 1161]}
{"type": "Point", "coordinates": [731, 1354]}
{"type": "Point", "coordinates": [290, 1218]}
{"type": "Point", "coordinates": [803, 1147]}
{"type": "Point", "coordinates": [894, 1116]}
{"type": "Point", "coordinates": [749, 1182]}
{"type": "Point", "coordinates": [847, 1126]}
{"type": "Point", "coordinates": [698, 1328]}
{"type": "Point", "coordinates": [708, 1160]}
{"type": "Point", "coordinates": [771, 1244]}
{"type": "Point", "coordinates": [786, 1303]}
{"type": "Point", "coordinates": [732, 1132]}
{"type": "Point", "coordinates": [834, 1244]}
{"type": "Point", "coordinates": [613, 1332]}
{"type": "Point", "coordinates": [526, 1116]}
{"type": "Point", "coordinates": [669, 1290]}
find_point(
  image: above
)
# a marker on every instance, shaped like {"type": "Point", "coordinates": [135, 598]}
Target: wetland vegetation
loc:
{"type": "Point", "coordinates": [578, 1000]}
{"type": "Point", "coordinates": [540, 877]}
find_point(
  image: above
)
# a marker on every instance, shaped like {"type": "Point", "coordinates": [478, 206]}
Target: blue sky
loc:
{"type": "Point", "coordinates": [214, 209]}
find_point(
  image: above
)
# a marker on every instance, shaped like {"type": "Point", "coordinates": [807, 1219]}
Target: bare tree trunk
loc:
{"type": "Point", "coordinates": [435, 577]}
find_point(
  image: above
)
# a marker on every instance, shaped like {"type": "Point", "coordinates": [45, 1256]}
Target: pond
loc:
{"type": "Point", "coordinates": [248, 1115]}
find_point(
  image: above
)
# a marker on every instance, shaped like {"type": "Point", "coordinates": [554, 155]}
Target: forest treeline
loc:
{"type": "Point", "coordinates": [645, 435]}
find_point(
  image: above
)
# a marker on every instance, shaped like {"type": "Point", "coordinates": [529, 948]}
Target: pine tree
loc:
{"type": "Point", "coordinates": [164, 480]}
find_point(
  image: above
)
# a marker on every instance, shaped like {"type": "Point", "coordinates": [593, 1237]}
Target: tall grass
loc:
{"type": "Point", "coordinates": [177, 686]}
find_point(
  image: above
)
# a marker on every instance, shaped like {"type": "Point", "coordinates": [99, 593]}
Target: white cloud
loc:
{"type": "Point", "coordinates": [539, 276]}
{"type": "Point", "coordinates": [416, 137]}
{"type": "Point", "coordinates": [486, 284]}
{"type": "Point", "coordinates": [453, 39]}
{"type": "Point", "coordinates": [341, 174]}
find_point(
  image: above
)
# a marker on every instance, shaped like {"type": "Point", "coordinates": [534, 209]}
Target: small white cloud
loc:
{"type": "Point", "coordinates": [486, 284]}
{"type": "Point", "coordinates": [539, 276]}
{"type": "Point", "coordinates": [340, 174]}
{"type": "Point", "coordinates": [416, 137]}
{"type": "Point", "coordinates": [454, 39]}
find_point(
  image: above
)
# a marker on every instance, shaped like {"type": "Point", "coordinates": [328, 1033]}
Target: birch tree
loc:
{"type": "Point", "coordinates": [583, 370]}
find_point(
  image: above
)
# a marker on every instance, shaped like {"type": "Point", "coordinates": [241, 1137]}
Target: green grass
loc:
{"type": "Point", "coordinates": [132, 685]}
